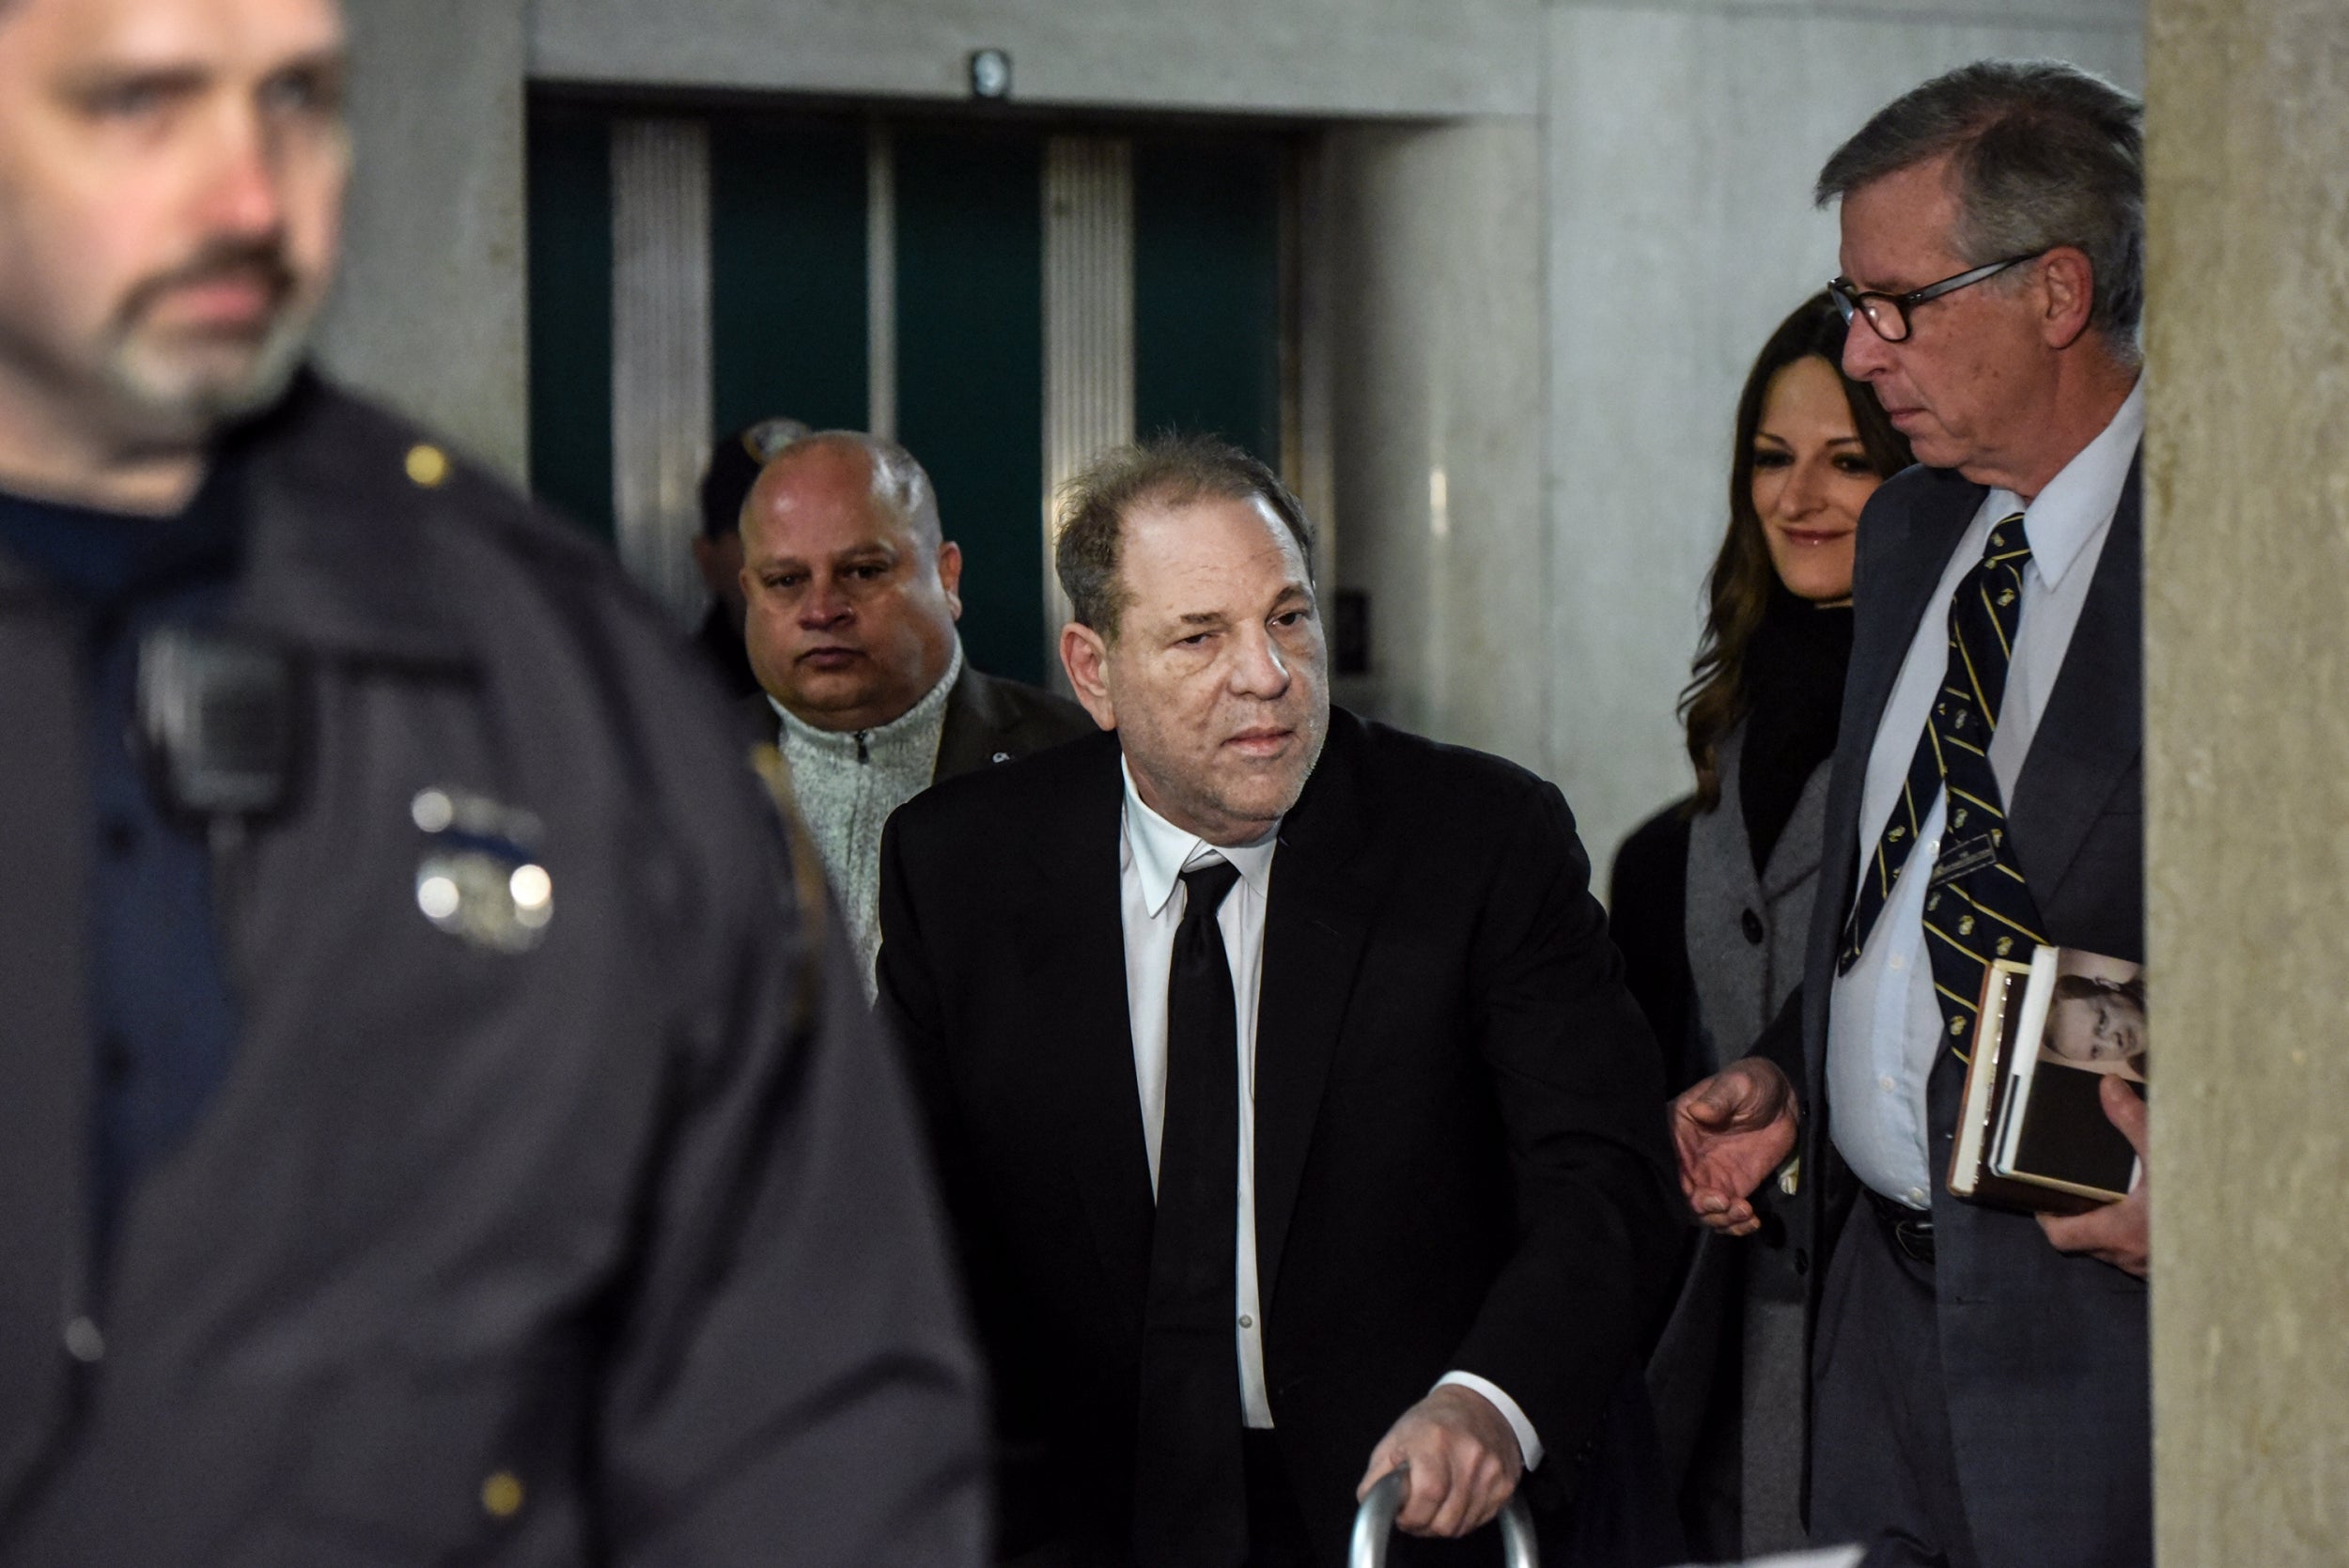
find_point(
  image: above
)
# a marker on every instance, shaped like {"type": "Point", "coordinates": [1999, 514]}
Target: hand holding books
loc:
{"type": "Point", "coordinates": [2117, 1234]}
{"type": "Point", "coordinates": [2053, 1116]}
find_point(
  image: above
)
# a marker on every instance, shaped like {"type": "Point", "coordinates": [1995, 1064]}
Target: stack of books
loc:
{"type": "Point", "coordinates": [2031, 1131]}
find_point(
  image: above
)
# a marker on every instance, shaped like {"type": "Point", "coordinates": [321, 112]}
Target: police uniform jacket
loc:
{"type": "Point", "coordinates": [601, 1240]}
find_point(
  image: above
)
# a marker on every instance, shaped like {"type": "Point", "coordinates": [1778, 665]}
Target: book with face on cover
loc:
{"type": "Point", "coordinates": [2031, 1130]}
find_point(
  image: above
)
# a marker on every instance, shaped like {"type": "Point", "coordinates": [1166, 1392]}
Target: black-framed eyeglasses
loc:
{"type": "Point", "coordinates": [1889, 313]}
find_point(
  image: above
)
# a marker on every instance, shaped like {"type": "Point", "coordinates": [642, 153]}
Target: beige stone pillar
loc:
{"type": "Point", "coordinates": [432, 311]}
{"type": "Point", "coordinates": [1438, 400]}
{"type": "Point", "coordinates": [2248, 777]}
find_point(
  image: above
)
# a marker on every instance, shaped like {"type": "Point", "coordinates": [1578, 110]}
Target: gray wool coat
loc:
{"type": "Point", "coordinates": [1746, 935]}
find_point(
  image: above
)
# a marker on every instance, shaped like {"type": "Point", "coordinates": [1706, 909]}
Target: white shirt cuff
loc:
{"type": "Point", "coordinates": [1529, 1444]}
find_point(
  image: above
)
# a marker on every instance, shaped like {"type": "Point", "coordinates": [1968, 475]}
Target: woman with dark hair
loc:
{"type": "Point", "coordinates": [1711, 898]}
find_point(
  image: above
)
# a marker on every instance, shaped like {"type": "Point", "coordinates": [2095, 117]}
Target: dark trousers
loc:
{"type": "Point", "coordinates": [1276, 1531]}
{"type": "Point", "coordinates": [1882, 1470]}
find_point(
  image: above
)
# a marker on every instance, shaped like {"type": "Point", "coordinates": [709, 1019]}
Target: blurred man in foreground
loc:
{"type": "Point", "coordinates": [851, 586]}
{"type": "Point", "coordinates": [429, 1129]}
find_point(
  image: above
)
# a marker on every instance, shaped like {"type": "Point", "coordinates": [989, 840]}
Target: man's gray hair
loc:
{"type": "Point", "coordinates": [1165, 471]}
{"type": "Point", "coordinates": [2044, 154]}
{"type": "Point", "coordinates": [899, 483]}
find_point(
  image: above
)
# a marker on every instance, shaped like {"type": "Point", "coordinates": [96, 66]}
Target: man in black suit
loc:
{"type": "Point", "coordinates": [1979, 1378]}
{"type": "Point", "coordinates": [850, 591]}
{"type": "Point", "coordinates": [1297, 1125]}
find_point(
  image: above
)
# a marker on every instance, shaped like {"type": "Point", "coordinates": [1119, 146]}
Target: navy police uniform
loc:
{"type": "Point", "coordinates": [471, 1151]}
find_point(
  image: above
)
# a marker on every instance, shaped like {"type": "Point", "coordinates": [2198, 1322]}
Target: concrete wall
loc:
{"type": "Point", "coordinates": [1333, 57]}
{"type": "Point", "coordinates": [1439, 398]}
{"type": "Point", "coordinates": [2247, 776]}
{"type": "Point", "coordinates": [433, 312]}
{"type": "Point", "coordinates": [1681, 141]}
{"type": "Point", "coordinates": [1646, 166]}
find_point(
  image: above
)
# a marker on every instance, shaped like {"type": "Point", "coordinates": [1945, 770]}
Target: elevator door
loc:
{"type": "Point", "coordinates": [804, 284]}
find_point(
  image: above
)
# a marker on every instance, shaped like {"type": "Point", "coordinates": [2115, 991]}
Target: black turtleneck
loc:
{"type": "Point", "coordinates": [1794, 688]}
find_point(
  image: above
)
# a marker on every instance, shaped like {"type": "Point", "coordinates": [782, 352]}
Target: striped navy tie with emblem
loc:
{"type": "Point", "coordinates": [1978, 907]}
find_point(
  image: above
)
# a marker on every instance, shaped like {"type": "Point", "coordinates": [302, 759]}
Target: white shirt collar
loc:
{"type": "Point", "coordinates": [1162, 852]}
{"type": "Point", "coordinates": [2081, 500]}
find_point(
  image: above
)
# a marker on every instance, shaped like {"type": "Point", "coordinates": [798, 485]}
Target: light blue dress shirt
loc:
{"type": "Point", "coordinates": [1884, 1027]}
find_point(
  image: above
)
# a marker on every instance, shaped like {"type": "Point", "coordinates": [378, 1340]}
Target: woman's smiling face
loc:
{"type": "Point", "coordinates": [1810, 478]}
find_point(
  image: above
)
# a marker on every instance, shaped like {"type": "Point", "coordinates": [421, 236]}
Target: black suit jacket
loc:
{"type": "Point", "coordinates": [1459, 1156]}
{"type": "Point", "coordinates": [2044, 1355]}
{"type": "Point", "coordinates": [990, 720]}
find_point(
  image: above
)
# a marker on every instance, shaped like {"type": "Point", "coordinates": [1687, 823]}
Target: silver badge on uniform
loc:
{"type": "Point", "coordinates": [481, 879]}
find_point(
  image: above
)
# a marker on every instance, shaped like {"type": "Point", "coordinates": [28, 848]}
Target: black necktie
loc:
{"type": "Point", "coordinates": [1978, 907]}
{"type": "Point", "coordinates": [1190, 1504]}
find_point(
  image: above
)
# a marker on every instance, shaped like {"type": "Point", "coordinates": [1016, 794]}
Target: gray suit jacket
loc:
{"type": "Point", "coordinates": [2044, 1355]}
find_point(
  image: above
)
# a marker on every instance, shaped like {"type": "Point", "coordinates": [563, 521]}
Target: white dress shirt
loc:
{"type": "Point", "coordinates": [1884, 1027]}
{"type": "Point", "coordinates": [1153, 854]}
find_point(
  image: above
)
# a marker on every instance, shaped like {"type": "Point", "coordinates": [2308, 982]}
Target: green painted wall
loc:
{"type": "Point", "coordinates": [1208, 289]}
{"type": "Point", "coordinates": [788, 305]}
{"type": "Point", "coordinates": [570, 312]}
{"type": "Point", "coordinates": [971, 371]}
{"type": "Point", "coordinates": [787, 272]}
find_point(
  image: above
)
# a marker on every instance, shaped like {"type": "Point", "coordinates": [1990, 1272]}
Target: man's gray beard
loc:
{"type": "Point", "coordinates": [189, 415]}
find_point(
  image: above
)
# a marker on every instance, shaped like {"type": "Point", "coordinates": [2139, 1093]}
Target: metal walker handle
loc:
{"type": "Point", "coordinates": [1374, 1521]}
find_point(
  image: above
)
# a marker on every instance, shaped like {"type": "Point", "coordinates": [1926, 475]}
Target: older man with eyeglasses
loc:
{"type": "Point", "coordinates": [1979, 1378]}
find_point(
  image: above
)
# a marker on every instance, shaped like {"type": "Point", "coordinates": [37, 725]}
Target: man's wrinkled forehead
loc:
{"type": "Point", "coordinates": [1175, 521]}
{"type": "Point", "coordinates": [173, 34]}
{"type": "Point", "coordinates": [1900, 229]}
